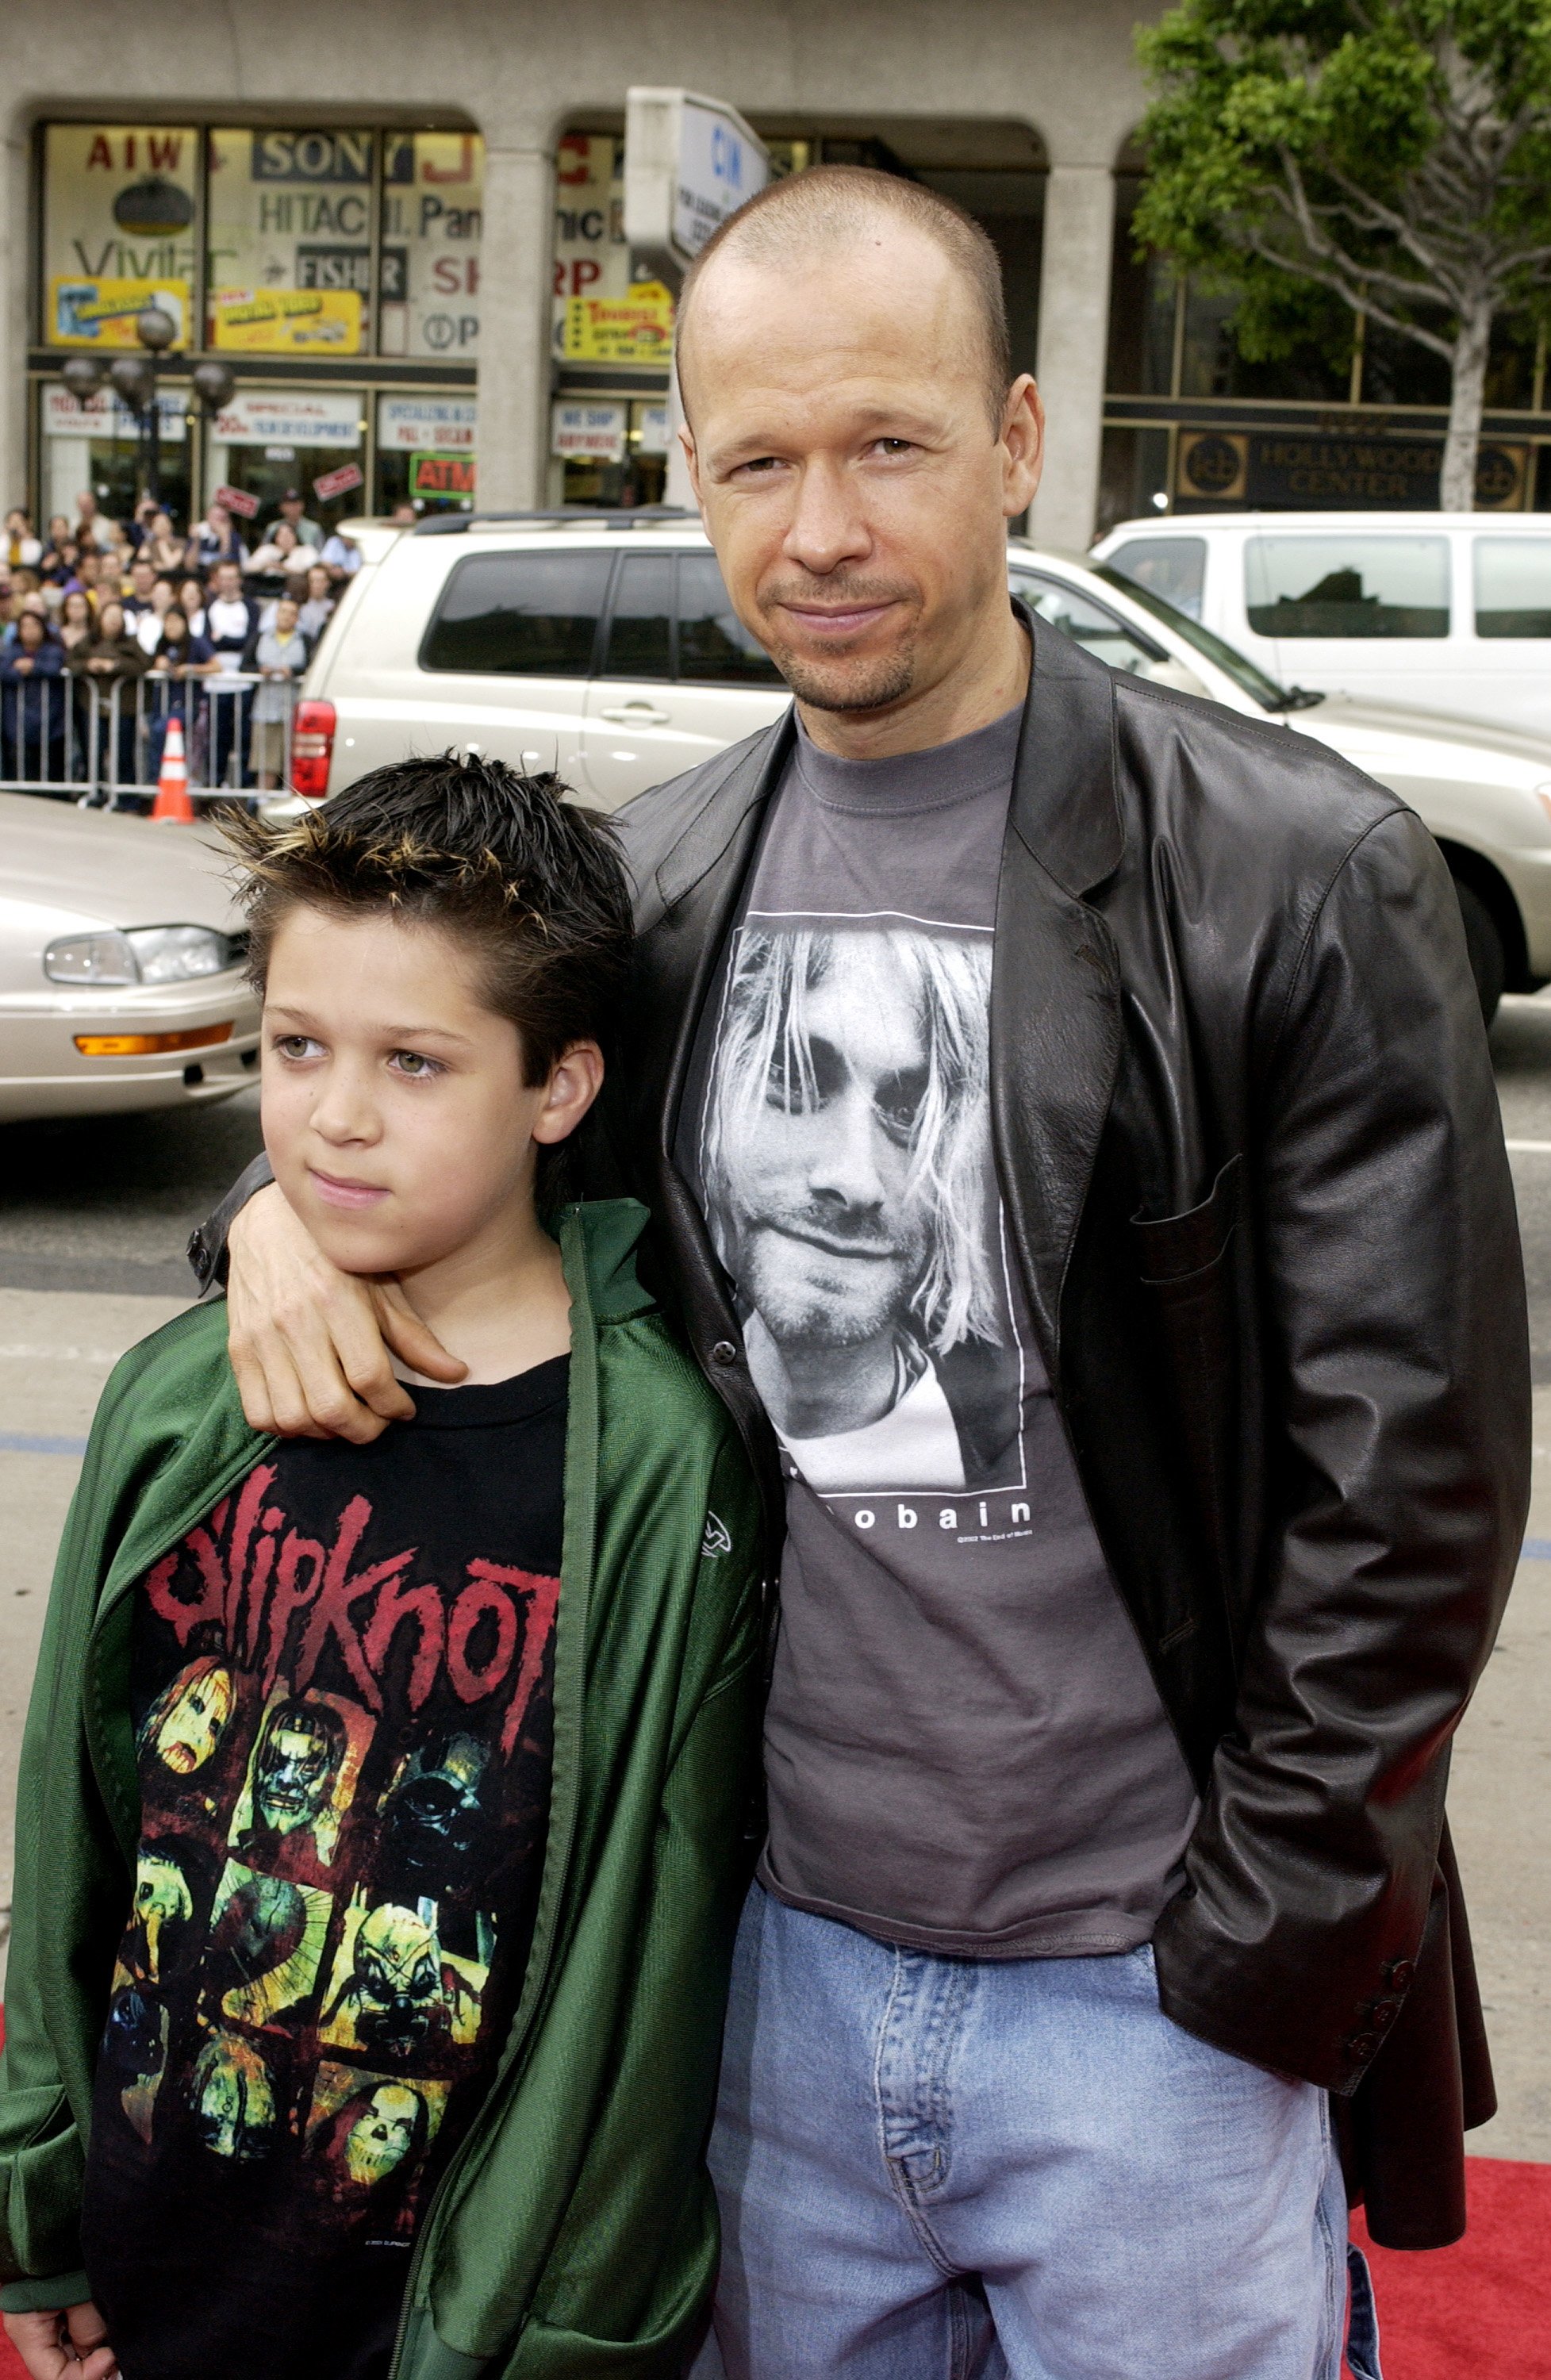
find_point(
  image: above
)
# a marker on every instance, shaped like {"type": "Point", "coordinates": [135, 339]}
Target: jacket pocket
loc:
{"type": "Point", "coordinates": [1187, 1275]}
{"type": "Point", "coordinates": [1175, 1246]}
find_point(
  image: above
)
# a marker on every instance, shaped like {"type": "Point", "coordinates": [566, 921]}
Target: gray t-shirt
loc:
{"type": "Point", "coordinates": [965, 1747]}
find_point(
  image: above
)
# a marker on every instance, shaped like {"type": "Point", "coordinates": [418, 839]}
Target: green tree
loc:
{"type": "Point", "coordinates": [1395, 152]}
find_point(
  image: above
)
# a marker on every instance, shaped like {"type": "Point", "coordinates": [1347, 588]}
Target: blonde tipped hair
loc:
{"type": "Point", "coordinates": [828, 208]}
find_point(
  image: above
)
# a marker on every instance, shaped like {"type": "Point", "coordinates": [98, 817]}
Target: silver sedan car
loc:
{"type": "Point", "coordinates": [121, 957]}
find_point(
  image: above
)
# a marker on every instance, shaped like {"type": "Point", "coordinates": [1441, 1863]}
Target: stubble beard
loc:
{"type": "Point", "coordinates": [875, 683]}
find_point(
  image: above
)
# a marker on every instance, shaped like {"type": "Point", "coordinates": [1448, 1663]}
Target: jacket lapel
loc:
{"type": "Point", "coordinates": [699, 884]}
{"type": "Point", "coordinates": [1055, 978]}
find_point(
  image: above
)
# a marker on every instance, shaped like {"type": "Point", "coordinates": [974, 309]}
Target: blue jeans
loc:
{"type": "Point", "coordinates": [953, 2169]}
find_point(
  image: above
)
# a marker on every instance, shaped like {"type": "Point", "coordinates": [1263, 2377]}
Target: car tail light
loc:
{"type": "Point", "coordinates": [312, 748]}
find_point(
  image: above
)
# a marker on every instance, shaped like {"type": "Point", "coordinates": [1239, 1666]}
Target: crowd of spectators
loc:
{"type": "Point", "coordinates": [219, 624]}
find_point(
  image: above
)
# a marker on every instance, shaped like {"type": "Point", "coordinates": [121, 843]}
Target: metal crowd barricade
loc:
{"type": "Point", "coordinates": [100, 743]}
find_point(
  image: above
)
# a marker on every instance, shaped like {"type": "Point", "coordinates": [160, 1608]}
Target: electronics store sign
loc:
{"type": "Point", "coordinates": [1281, 470]}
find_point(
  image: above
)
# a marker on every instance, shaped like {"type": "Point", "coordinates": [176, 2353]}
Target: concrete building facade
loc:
{"type": "Point", "coordinates": [399, 226]}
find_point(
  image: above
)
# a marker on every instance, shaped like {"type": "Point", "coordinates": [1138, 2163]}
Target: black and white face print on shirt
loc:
{"type": "Point", "coordinates": [849, 1182]}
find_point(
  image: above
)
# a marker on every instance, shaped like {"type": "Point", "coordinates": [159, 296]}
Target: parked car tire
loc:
{"type": "Point", "coordinates": [1484, 944]}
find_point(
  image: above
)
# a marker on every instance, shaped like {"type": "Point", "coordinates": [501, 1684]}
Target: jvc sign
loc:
{"type": "Point", "coordinates": [689, 163]}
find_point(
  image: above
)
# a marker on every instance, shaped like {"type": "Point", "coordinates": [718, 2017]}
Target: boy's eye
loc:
{"type": "Point", "coordinates": [296, 1045]}
{"type": "Point", "coordinates": [414, 1064]}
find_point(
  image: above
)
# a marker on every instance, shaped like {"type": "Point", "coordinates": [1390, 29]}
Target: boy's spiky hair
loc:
{"type": "Point", "coordinates": [529, 885]}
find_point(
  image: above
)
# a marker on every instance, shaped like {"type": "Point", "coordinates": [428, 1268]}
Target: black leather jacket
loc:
{"type": "Point", "coordinates": [1248, 1137]}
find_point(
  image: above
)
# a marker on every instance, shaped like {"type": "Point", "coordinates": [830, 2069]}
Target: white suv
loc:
{"type": "Point", "coordinates": [604, 647]}
{"type": "Point", "coordinates": [1443, 610]}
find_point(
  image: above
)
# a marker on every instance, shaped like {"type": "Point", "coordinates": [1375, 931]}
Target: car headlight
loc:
{"type": "Point", "coordinates": [141, 954]}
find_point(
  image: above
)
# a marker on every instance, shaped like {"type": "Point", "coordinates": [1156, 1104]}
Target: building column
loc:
{"type": "Point", "coordinates": [516, 269]}
{"type": "Point", "coordinates": [16, 248]}
{"type": "Point", "coordinates": [1073, 336]}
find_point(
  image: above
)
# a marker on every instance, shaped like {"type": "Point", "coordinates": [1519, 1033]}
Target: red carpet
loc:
{"type": "Point", "coordinates": [1478, 2311]}
{"type": "Point", "coordinates": [1481, 2311]}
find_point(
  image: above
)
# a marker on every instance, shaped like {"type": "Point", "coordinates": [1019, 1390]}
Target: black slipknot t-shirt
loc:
{"type": "Point", "coordinates": [341, 1685]}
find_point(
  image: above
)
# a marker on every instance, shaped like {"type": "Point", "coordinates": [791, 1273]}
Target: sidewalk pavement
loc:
{"type": "Point", "coordinates": [56, 1349]}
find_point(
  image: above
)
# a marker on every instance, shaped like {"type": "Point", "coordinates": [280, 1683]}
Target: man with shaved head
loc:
{"type": "Point", "coordinates": [1069, 1127]}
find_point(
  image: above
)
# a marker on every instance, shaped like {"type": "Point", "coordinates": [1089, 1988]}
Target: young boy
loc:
{"type": "Point", "coordinates": [381, 1809]}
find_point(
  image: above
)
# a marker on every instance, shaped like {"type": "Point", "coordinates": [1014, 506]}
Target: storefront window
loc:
{"type": "Point", "coordinates": [264, 444]}
{"type": "Point", "coordinates": [97, 445]}
{"type": "Point", "coordinates": [432, 203]}
{"type": "Point", "coordinates": [613, 451]}
{"type": "Point", "coordinates": [120, 230]}
{"type": "Point", "coordinates": [426, 449]}
{"type": "Point", "coordinates": [289, 255]}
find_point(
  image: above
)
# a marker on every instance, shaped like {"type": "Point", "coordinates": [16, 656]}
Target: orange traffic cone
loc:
{"type": "Point", "coordinates": [172, 786]}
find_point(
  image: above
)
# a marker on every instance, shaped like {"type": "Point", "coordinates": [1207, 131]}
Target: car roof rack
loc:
{"type": "Point", "coordinates": [569, 516]}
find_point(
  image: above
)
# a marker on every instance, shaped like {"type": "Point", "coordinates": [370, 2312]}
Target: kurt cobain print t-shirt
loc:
{"type": "Point", "coordinates": [341, 1684]}
{"type": "Point", "coordinates": [965, 1748]}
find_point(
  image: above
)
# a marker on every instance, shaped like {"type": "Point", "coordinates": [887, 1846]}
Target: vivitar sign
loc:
{"type": "Point", "coordinates": [1286, 469]}
{"type": "Point", "coordinates": [689, 163]}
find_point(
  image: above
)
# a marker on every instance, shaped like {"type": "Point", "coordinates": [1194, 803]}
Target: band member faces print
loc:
{"type": "Point", "coordinates": [847, 1169]}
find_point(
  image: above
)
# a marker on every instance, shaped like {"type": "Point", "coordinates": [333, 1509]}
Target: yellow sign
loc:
{"type": "Point", "coordinates": [634, 330]}
{"type": "Point", "coordinates": [85, 310]}
{"type": "Point", "coordinates": [289, 322]}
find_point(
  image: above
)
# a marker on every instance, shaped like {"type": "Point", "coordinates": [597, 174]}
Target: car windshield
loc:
{"type": "Point", "coordinates": [1238, 666]}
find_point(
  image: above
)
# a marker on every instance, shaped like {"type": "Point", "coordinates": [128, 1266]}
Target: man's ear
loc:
{"type": "Point", "coordinates": [1022, 445]}
{"type": "Point", "coordinates": [692, 461]}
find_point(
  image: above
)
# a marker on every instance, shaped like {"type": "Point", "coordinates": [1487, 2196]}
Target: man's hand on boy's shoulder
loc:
{"type": "Point", "coordinates": [70, 2345]}
{"type": "Point", "coordinates": [311, 1347]}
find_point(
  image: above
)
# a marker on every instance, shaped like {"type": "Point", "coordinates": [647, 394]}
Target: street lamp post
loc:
{"type": "Point", "coordinates": [133, 379]}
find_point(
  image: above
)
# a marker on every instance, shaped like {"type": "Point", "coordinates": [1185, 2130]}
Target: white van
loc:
{"type": "Point", "coordinates": [1440, 612]}
{"type": "Point", "coordinates": [604, 647]}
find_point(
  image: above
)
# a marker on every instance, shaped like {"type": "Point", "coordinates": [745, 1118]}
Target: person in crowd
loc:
{"type": "Point", "coordinates": [280, 657]}
{"type": "Point", "coordinates": [318, 605]}
{"type": "Point", "coordinates": [77, 626]}
{"type": "Point", "coordinates": [64, 568]}
{"type": "Point", "coordinates": [1074, 1146]}
{"type": "Point", "coordinates": [33, 707]}
{"type": "Point", "coordinates": [279, 554]}
{"type": "Point", "coordinates": [52, 564]}
{"type": "Point", "coordinates": [94, 572]}
{"type": "Point", "coordinates": [24, 600]}
{"type": "Point", "coordinates": [119, 555]}
{"type": "Point", "coordinates": [163, 547]}
{"type": "Point", "coordinates": [137, 595]}
{"type": "Point", "coordinates": [178, 662]}
{"type": "Point", "coordinates": [21, 549]}
{"type": "Point", "coordinates": [148, 625]}
{"type": "Point", "coordinates": [295, 516]}
{"type": "Point", "coordinates": [191, 597]}
{"type": "Point", "coordinates": [215, 540]}
{"type": "Point", "coordinates": [535, 1657]}
{"type": "Point", "coordinates": [341, 557]}
{"type": "Point", "coordinates": [106, 668]}
{"type": "Point", "coordinates": [138, 528]}
{"type": "Point", "coordinates": [230, 622]}
{"type": "Point", "coordinates": [26, 592]}
{"type": "Point", "coordinates": [90, 527]}
{"type": "Point", "coordinates": [403, 515]}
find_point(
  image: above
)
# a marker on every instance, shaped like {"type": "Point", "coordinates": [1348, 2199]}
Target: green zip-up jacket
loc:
{"type": "Point", "coordinates": [574, 2232]}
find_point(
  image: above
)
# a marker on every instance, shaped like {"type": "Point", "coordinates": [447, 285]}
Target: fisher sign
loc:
{"type": "Point", "coordinates": [689, 163]}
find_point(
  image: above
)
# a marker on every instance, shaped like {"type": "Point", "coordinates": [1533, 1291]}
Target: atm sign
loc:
{"type": "Point", "coordinates": [441, 475]}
